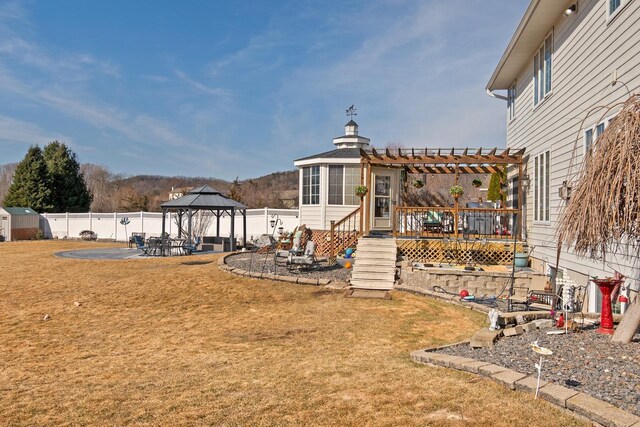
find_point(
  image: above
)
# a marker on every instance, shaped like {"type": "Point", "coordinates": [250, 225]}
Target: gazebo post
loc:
{"type": "Point", "coordinates": [180, 212]}
{"type": "Point", "coordinates": [244, 227]}
{"type": "Point", "coordinates": [190, 214]}
{"type": "Point", "coordinates": [218, 223]}
{"type": "Point", "coordinates": [233, 226]}
{"type": "Point", "coordinates": [520, 201]}
{"type": "Point", "coordinates": [164, 214]}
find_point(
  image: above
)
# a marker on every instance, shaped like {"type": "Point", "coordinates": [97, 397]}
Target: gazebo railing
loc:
{"type": "Point", "coordinates": [440, 222]}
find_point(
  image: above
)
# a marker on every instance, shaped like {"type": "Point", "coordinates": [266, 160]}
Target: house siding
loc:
{"type": "Point", "coordinates": [319, 217]}
{"type": "Point", "coordinates": [587, 49]}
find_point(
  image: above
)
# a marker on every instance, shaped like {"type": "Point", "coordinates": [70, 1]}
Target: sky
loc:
{"type": "Point", "coordinates": [232, 89]}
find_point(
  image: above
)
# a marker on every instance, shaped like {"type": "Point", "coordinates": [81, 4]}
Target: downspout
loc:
{"type": "Point", "coordinates": [495, 95]}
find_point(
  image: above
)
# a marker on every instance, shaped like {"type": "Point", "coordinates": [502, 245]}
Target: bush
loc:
{"type": "Point", "coordinates": [39, 235]}
{"type": "Point", "coordinates": [88, 235]}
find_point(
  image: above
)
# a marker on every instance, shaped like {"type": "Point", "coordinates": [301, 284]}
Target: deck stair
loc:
{"type": "Point", "coordinates": [375, 264]}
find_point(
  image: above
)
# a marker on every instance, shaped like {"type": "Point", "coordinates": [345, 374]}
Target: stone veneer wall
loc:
{"type": "Point", "coordinates": [478, 283]}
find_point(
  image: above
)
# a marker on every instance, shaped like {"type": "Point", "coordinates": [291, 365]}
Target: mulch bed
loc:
{"type": "Point", "coordinates": [585, 361]}
{"type": "Point", "coordinates": [264, 264]}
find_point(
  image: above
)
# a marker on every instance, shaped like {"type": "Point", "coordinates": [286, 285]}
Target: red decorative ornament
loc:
{"type": "Point", "coordinates": [623, 299]}
{"type": "Point", "coordinates": [464, 293]}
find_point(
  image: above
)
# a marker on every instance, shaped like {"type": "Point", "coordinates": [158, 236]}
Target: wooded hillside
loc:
{"type": "Point", "coordinates": [116, 192]}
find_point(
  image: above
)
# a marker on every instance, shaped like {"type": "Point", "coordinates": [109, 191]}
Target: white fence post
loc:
{"type": "Point", "coordinates": [142, 220]}
{"type": "Point", "coordinates": [66, 214]}
{"type": "Point", "coordinates": [90, 221]}
{"type": "Point", "coordinates": [115, 226]}
{"type": "Point", "coordinates": [266, 220]}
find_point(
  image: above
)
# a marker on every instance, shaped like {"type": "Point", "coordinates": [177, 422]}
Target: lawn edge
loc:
{"type": "Point", "coordinates": [580, 405]}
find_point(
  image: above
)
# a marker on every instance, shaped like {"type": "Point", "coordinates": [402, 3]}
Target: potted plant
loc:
{"type": "Point", "coordinates": [361, 190]}
{"type": "Point", "coordinates": [476, 183]}
{"type": "Point", "coordinates": [418, 183]}
{"type": "Point", "coordinates": [456, 191]}
{"type": "Point", "coordinates": [522, 257]}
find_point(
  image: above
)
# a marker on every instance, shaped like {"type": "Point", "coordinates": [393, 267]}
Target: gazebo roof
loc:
{"type": "Point", "coordinates": [203, 197]}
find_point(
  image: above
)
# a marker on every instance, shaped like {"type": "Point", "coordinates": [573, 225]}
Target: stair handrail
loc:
{"type": "Point", "coordinates": [343, 243]}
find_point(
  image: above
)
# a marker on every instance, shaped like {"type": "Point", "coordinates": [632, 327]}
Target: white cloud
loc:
{"type": "Point", "coordinates": [18, 131]}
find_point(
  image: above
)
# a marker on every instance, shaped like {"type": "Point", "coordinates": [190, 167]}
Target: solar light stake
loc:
{"type": "Point", "coordinates": [542, 351]}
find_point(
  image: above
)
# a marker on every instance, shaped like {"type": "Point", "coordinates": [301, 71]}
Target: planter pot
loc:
{"type": "Point", "coordinates": [522, 259]}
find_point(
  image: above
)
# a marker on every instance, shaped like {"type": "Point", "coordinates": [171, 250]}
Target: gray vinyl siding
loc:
{"type": "Point", "coordinates": [587, 49]}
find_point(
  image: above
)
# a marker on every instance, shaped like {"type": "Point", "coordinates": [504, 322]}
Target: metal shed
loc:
{"type": "Point", "coordinates": [19, 223]}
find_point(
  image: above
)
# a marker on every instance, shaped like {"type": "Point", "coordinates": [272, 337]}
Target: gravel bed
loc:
{"type": "Point", "coordinates": [584, 361]}
{"type": "Point", "coordinates": [264, 263]}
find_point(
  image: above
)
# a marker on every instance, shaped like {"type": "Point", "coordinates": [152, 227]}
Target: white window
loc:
{"type": "Point", "coordinates": [311, 185]}
{"type": "Point", "coordinates": [591, 134]}
{"type": "Point", "coordinates": [541, 175]}
{"type": "Point", "coordinates": [511, 102]}
{"type": "Point", "coordinates": [613, 6]}
{"type": "Point", "coordinates": [542, 70]}
{"type": "Point", "coordinates": [336, 189]}
{"type": "Point", "coordinates": [351, 181]}
{"type": "Point", "coordinates": [343, 181]}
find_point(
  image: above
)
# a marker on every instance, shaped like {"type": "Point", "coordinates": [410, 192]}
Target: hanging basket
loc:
{"type": "Point", "coordinates": [361, 190]}
{"type": "Point", "coordinates": [456, 191]}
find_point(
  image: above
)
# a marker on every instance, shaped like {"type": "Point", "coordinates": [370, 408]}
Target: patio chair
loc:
{"type": "Point", "coordinates": [305, 261]}
{"type": "Point", "coordinates": [138, 240]}
{"type": "Point", "coordinates": [193, 247]}
{"type": "Point", "coordinates": [281, 256]}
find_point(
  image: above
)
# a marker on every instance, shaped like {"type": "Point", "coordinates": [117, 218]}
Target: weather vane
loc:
{"type": "Point", "coordinates": [351, 111]}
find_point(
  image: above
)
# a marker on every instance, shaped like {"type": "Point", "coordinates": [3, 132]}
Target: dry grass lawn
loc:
{"type": "Point", "coordinates": [178, 342]}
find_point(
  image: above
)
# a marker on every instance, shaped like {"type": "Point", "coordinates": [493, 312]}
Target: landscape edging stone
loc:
{"type": "Point", "coordinates": [579, 405]}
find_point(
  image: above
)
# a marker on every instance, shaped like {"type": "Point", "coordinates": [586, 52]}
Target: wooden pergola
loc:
{"type": "Point", "coordinates": [453, 161]}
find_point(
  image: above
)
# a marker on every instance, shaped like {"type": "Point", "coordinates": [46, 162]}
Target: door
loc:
{"type": "Point", "coordinates": [382, 197]}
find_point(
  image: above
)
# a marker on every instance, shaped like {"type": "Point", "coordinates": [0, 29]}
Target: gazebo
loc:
{"type": "Point", "coordinates": [207, 199]}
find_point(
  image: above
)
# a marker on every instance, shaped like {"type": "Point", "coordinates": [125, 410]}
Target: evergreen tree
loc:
{"type": "Point", "coordinates": [69, 189]}
{"type": "Point", "coordinates": [495, 191]}
{"type": "Point", "coordinates": [31, 183]}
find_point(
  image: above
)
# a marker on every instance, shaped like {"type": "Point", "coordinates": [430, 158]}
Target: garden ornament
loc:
{"type": "Point", "coordinates": [493, 319]}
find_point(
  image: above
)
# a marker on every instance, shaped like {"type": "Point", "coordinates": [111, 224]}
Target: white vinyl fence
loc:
{"type": "Point", "coordinates": [108, 226]}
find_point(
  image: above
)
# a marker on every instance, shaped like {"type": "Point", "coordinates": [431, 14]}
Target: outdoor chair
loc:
{"type": "Point", "coordinates": [305, 261]}
{"type": "Point", "coordinates": [193, 247]}
{"type": "Point", "coordinates": [281, 256]}
{"type": "Point", "coordinates": [138, 240]}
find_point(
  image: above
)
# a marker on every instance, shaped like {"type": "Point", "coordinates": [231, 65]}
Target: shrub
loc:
{"type": "Point", "coordinates": [88, 235]}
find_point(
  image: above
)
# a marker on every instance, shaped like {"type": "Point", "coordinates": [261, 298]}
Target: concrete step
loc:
{"type": "Point", "coordinates": [375, 250]}
{"type": "Point", "coordinates": [386, 262]}
{"type": "Point", "coordinates": [372, 269]}
{"type": "Point", "coordinates": [372, 284]}
{"type": "Point", "coordinates": [373, 276]}
{"type": "Point", "coordinates": [377, 242]}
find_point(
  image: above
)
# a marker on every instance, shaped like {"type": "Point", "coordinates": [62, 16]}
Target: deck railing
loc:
{"type": "Point", "coordinates": [344, 233]}
{"type": "Point", "coordinates": [440, 222]}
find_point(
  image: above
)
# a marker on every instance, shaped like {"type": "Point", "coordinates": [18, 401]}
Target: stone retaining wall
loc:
{"type": "Point", "coordinates": [478, 283]}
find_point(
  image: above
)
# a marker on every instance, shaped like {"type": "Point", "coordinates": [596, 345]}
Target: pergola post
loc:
{"type": "Point", "coordinates": [520, 203]}
{"type": "Point", "coordinates": [233, 227]}
{"type": "Point", "coordinates": [368, 201]}
{"type": "Point", "coordinates": [361, 226]}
